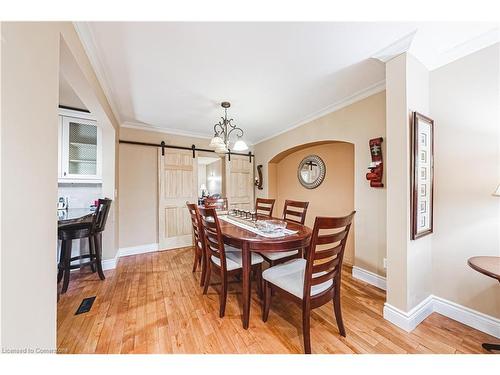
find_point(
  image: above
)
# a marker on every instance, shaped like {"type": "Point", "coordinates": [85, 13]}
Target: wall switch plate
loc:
{"type": "Point", "coordinates": [385, 263]}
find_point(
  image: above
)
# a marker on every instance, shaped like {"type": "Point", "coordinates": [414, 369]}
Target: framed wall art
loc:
{"type": "Point", "coordinates": [422, 175]}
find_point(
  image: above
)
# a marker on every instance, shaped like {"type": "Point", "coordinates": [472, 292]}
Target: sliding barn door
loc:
{"type": "Point", "coordinates": [239, 182]}
{"type": "Point", "coordinates": [177, 178]}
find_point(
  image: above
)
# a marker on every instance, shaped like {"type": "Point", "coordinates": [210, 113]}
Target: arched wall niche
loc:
{"type": "Point", "coordinates": [333, 197]}
{"type": "Point", "coordinates": [356, 124]}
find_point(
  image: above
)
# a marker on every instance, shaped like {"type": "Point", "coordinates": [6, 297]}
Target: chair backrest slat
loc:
{"type": "Point", "coordinates": [264, 207]}
{"type": "Point", "coordinates": [214, 243]}
{"type": "Point", "coordinates": [295, 211]}
{"type": "Point", "coordinates": [101, 215]}
{"type": "Point", "coordinates": [330, 238]}
{"type": "Point", "coordinates": [196, 224]}
{"type": "Point", "coordinates": [325, 265]}
{"type": "Point", "coordinates": [327, 253]}
{"type": "Point", "coordinates": [323, 278]}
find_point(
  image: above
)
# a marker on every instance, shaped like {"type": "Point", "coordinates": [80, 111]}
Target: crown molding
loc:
{"type": "Point", "coordinates": [466, 48]}
{"type": "Point", "coordinates": [158, 129]}
{"type": "Point", "coordinates": [395, 49]}
{"type": "Point", "coordinates": [356, 97]}
{"type": "Point", "coordinates": [89, 45]}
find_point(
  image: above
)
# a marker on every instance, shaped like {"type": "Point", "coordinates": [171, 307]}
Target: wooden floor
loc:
{"type": "Point", "coordinates": [152, 303]}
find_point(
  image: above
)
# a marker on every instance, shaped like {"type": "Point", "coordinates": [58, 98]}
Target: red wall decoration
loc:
{"type": "Point", "coordinates": [376, 167]}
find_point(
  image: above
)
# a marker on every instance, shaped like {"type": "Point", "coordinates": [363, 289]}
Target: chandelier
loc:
{"type": "Point", "coordinates": [222, 132]}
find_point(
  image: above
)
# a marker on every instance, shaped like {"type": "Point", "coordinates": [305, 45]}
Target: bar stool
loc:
{"type": "Point", "coordinates": [91, 229]}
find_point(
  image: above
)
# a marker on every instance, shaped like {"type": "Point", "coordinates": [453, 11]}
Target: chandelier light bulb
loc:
{"type": "Point", "coordinates": [216, 141]}
{"type": "Point", "coordinates": [240, 145]}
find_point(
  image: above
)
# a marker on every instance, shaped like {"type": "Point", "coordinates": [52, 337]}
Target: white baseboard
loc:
{"type": "Point", "coordinates": [411, 319]}
{"type": "Point", "coordinates": [177, 242]}
{"type": "Point", "coordinates": [133, 250]}
{"type": "Point", "coordinates": [109, 264]}
{"type": "Point", "coordinates": [472, 318]}
{"type": "Point", "coordinates": [369, 277]}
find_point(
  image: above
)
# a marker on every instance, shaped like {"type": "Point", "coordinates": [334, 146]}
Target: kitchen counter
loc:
{"type": "Point", "coordinates": [73, 213]}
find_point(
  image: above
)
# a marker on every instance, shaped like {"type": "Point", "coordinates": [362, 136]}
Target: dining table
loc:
{"type": "Point", "coordinates": [247, 240]}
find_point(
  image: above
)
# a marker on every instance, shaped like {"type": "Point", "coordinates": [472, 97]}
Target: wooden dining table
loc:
{"type": "Point", "coordinates": [248, 241]}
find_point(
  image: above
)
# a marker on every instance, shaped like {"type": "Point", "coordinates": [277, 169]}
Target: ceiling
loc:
{"type": "Point", "coordinates": [173, 75]}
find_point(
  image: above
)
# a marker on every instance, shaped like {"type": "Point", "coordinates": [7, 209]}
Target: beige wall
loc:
{"type": "Point", "coordinates": [465, 105]}
{"type": "Point", "coordinates": [30, 63]}
{"type": "Point", "coordinates": [29, 159]}
{"type": "Point", "coordinates": [334, 197]}
{"type": "Point", "coordinates": [356, 124]}
{"type": "Point", "coordinates": [409, 263]}
{"type": "Point", "coordinates": [138, 184]}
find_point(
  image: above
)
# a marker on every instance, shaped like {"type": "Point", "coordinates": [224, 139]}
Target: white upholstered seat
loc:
{"type": "Point", "coordinates": [289, 276]}
{"type": "Point", "coordinates": [234, 259]}
{"type": "Point", "coordinates": [275, 255]}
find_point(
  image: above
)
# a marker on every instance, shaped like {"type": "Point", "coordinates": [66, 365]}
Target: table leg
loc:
{"type": "Point", "coordinates": [246, 265]}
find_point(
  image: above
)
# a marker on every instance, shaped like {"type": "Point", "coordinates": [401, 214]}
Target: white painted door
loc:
{"type": "Point", "coordinates": [239, 182]}
{"type": "Point", "coordinates": [177, 183]}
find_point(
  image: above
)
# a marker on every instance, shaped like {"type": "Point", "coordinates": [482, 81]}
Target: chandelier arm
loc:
{"type": "Point", "coordinates": [235, 129]}
{"type": "Point", "coordinates": [216, 126]}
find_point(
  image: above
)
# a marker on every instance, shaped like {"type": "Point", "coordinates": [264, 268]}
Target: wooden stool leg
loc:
{"type": "Point", "coordinates": [98, 252]}
{"type": "Point", "coordinates": [92, 254]}
{"type": "Point", "coordinates": [66, 244]}
{"type": "Point", "coordinates": [60, 266]}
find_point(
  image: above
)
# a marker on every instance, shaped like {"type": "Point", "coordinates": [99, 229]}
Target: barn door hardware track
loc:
{"type": "Point", "coordinates": [193, 148]}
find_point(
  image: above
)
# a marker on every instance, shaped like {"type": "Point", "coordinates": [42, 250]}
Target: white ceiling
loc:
{"type": "Point", "coordinates": [173, 75]}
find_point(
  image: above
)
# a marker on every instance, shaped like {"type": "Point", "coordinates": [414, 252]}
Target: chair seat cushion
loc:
{"type": "Point", "coordinates": [289, 276]}
{"type": "Point", "coordinates": [234, 259]}
{"type": "Point", "coordinates": [275, 255]}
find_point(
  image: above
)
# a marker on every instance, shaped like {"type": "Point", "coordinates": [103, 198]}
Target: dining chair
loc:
{"type": "Point", "coordinates": [224, 259]}
{"type": "Point", "coordinates": [264, 207]}
{"type": "Point", "coordinates": [199, 246]}
{"type": "Point", "coordinates": [293, 211]}
{"type": "Point", "coordinates": [220, 204]}
{"type": "Point", "coordinates": [316, 280]}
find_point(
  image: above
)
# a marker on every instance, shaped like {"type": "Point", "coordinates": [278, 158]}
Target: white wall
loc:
{"type": "Point", "coordinates": [465, 104]}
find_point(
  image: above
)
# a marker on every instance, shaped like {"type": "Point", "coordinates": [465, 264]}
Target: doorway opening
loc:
{"type": "Point", "coordinates": [210, 177]}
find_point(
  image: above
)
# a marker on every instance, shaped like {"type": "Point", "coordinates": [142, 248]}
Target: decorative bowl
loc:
{"type": "Point", "coordinates": [269, 226]}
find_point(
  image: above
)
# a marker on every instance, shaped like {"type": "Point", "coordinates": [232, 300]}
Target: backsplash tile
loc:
{"type": "Point", "coordinates": [80, 195]}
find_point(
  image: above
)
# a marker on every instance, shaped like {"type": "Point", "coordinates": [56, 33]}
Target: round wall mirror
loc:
{"type": "Point", "coordinates": [311, 172]}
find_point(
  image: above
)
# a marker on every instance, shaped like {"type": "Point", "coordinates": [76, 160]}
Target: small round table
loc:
{"type": "Point", "coordinates": [489, 266]}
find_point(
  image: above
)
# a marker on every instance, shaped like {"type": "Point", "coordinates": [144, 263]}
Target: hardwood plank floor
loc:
{"type": "Point", "coordinates": [152, 303]}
